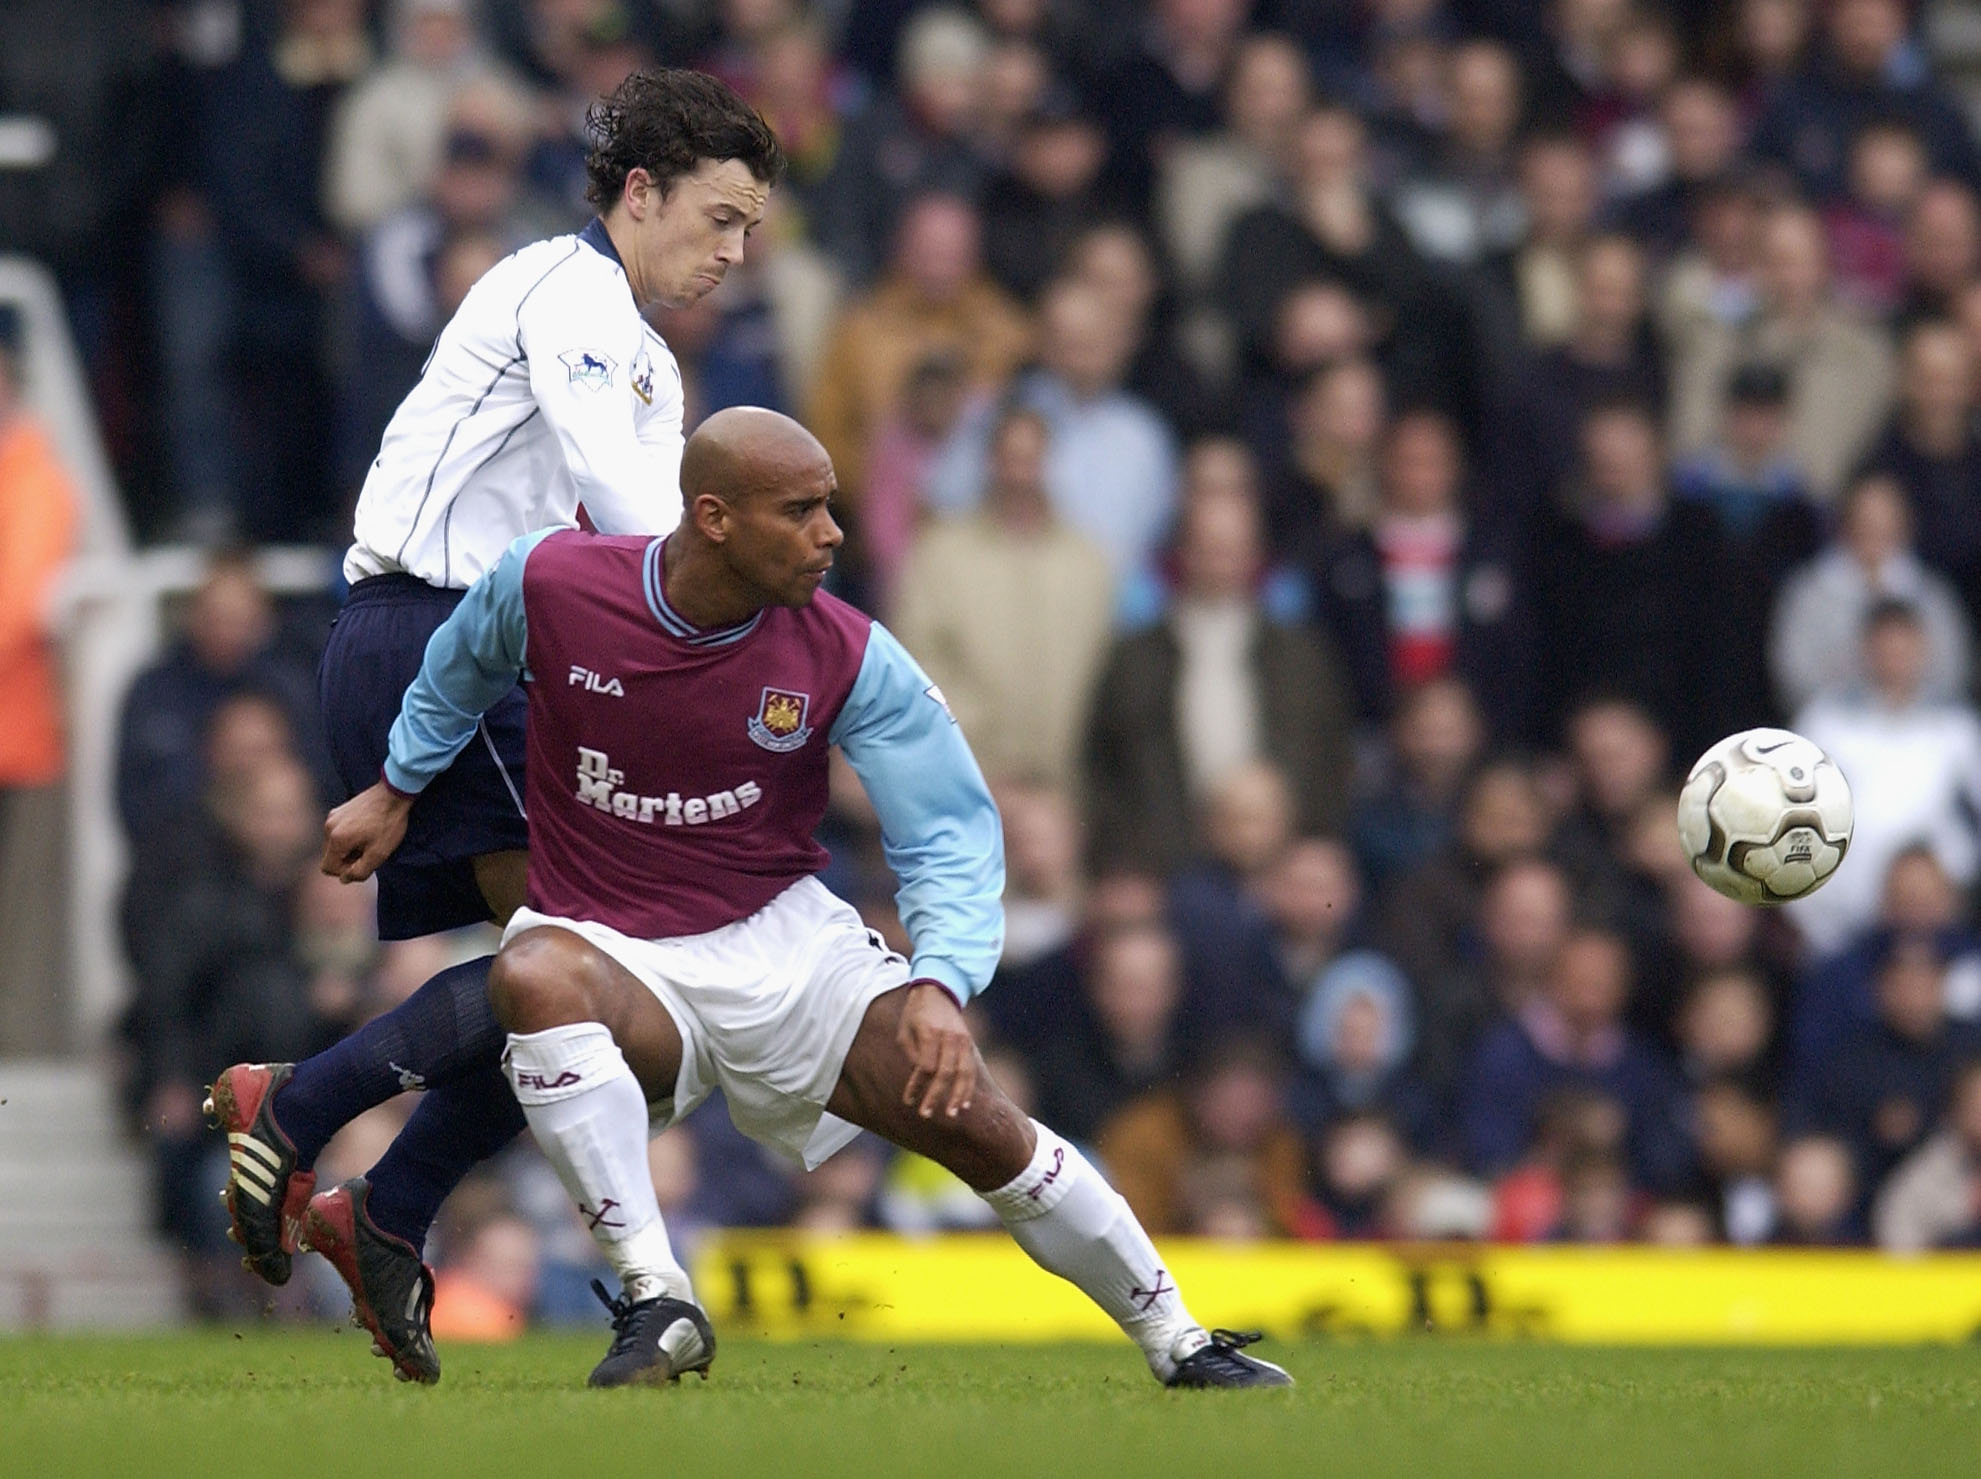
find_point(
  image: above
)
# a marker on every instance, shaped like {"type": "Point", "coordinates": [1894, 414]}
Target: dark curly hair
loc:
{"type": "Point", "coordinates": [666, 122]}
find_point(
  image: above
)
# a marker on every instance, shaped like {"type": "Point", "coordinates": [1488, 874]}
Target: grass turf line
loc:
{"type": "Point", "coordinates": [305, 1402]}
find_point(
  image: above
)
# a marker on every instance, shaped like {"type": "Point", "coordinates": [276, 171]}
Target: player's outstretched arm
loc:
{"type": "Point", "coordinates": [940, 830]}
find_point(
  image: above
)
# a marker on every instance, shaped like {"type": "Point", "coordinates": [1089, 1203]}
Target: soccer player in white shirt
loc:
{"type": "Point", "coordinates": [546, 394]}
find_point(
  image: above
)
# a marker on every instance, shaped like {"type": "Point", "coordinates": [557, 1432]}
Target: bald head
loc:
{"type": "Point", "coordinates": [746, 449]}
{"type": "Point", "coordinates": [757, 530]}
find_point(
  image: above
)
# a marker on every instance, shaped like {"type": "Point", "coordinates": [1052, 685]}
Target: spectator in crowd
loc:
{"type": "Point", "coordinates": [267, 120]}
{"type": "Point", "coordinates": [1539, 272]}
{"type": "Point", "coordinates": [1574, 1035]}
{"type": "Point", "coordinates": [1117, 260]}
{"type": "Point", "coordinates": [486, 1288]}
{"type": "Point", "coordinates": [1700, 130]}
{"type": "Point", "coordinates": [227, 647]}
{"type": "Point", "coordinates": [388, 135]}
{"type": "Point", "coordinates": [1334, 229]}
{"type": "Point", "coordinates": [1881, 1090]}
{"type": "Point", "coordinates": [1933, 1198]}
{"type": "Point", "coordinates": [893, 503]}
{"type": "Point", "coordinates": [1726, 1030]}
{"type": "Point", "coordinates": [1609, 357]}
{"type": "Point", "coordinates": [38, 533]}
{"type": "Point", "coordinates": [1942, 250]}
{"type": "Point", "coordinates": [1463, 203]}
{"type": "Point", "coordinates": [933, 300]}
{"type": "Point", "coordinates": [1838, 995]}
{"type": "Point", "coordinates": [1867, 227]}
{"type": "Point", "coordinates": [1045, 896]}
{"type": "Point", "coordinates": [1572, 1125]}
{"type": "Point", "coordinates": [1860, 74]}
{"type": "Point", "coordinates": [1111, 466]}
{"type": "Point", "coordinates": [904, 144]}
{"type": "Point", "coordinates": [1767, 526]}
{"type": "Point", "coordinates": [1616, 576]}
{"type": "Point", "coordinates": [1816, 1195]}
{"type": "Point", "coordinates": [1050, 191]}
{"type": "Point", "coordinates": [1713, 282]}
{"type": "Point", "coordinates": [1217, 683]}
{"type": "Point", "coordinates": [1815, 636]}
{"type": "Point", "coordinates": [1124, 1043]}
{"type": "Point", "coordinates": [1932, 449]}
{"type": "Point", "coordinates": [1354, 1042]}
{"type": "Point", "coordinates": [1914, 762]}
{"type": "Point", "coordinates": [1737, 1130]}
{"type": "Point", "coordinates": [1359, 1162]}
{"type": "Point", "coordinates": [1430, 588]}
{"type": "Point", "coordinates": [1009, 611]}
{"type": "Point", "coordinates": [209, 930]}
{"type": "Point", "coordinates": [790, 77]}
{"type": "Point", "coordinates": [1325, 483]}
{"type": "Point", "coordinates": [1218, 1145]}
{"type": "Point", "coordinates": [401, 289]}
{"type": "Point", "coordinates": [1225, 911]}
{"type": "Point", "coordinates": [1839, 370]}
{"type": "Point", "coordinates": [1431, 922]}
{"type": "Point", "coordinates": [1435, 740]}
{"type": "Point", "coordinates": [1168, 86]}
{"type": "Point", "coordinates": [1206, 182]}
{"type": "Point", "coordinates": [1597, 1205]}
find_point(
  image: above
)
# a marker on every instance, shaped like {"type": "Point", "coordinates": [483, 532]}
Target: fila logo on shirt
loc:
{"type": "Point", "coordinates": [602, 785]}
{"type": "Point", "coordinates": [583, 677]}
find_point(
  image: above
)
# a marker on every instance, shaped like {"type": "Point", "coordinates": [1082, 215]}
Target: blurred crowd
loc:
{"type": "Point", "coordinates": [1341, 460]}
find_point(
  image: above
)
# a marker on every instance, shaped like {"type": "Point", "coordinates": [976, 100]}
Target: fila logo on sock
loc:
{"type": "Point", "coordinates": [564, 1080]}
{"type": "Point", "coordinates": [1058, 1165]}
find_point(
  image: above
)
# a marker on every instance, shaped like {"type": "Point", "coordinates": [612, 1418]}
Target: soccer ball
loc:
{"type": "Point", "coordinates": [1765, 816]}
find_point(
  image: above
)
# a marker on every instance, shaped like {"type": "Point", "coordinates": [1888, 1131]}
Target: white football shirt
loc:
{"type": "Point", "coordinates": [545, 391]}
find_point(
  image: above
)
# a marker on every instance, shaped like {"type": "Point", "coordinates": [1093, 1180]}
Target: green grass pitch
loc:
{"type": "Point", "coordinates": [309, 1403]}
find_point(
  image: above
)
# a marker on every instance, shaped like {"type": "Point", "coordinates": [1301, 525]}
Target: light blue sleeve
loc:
{"type": "Point", "coordinates": [939, 827]}
{"type": "Point", "coordinates": [473, 659]}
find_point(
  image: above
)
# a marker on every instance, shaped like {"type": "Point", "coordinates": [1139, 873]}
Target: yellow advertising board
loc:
{"type": "Point", "coordinates": [982, 1287]}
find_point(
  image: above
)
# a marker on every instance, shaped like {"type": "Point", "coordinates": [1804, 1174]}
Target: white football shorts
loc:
{"type": "Point", "coordinates": [767, 1009]}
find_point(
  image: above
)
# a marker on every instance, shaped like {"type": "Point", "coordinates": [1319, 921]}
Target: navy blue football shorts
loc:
{"type": "Point", "coordinates": [475, 806]}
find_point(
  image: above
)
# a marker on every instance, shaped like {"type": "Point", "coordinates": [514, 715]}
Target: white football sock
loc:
{"type": "Point", "coordinates": [1063, 1212]}
{"type": "Point", "coordinates": [589, 1116]}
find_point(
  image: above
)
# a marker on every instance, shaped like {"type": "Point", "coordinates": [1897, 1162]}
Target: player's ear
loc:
{"type": "Point", "coordinates": [711, 517]}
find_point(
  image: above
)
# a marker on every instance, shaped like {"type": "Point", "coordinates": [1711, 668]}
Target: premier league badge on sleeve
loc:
{"type": "Point", "coordinates": [779, 722]}
{"type": "Point", "coordinates": [589, 368]}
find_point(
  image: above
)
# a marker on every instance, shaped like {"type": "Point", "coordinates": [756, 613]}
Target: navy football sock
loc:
{"type": "Point", "coordinates": [458, 1125]}
{"type": "Point", "coordinates": [445, 1028]}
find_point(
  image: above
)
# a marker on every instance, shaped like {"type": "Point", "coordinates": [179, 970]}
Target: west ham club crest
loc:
{"type": "Point", "coordinates": [779, 722]}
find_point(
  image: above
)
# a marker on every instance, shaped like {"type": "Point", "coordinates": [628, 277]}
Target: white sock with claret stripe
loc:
{"type": "Point", "coordinates": [589, 1116]}
{"type": "Point", "coordinates": [1062, 1212]}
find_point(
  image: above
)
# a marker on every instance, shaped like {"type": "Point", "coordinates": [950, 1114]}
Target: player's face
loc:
{"type": "Point", "coordinates": [687, 240]}
{"type": "Point", "coordinates": [782, 539]}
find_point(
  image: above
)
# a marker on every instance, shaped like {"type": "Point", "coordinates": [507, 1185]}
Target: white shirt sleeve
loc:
{"type": "Point", "coordinates": [581, 360]}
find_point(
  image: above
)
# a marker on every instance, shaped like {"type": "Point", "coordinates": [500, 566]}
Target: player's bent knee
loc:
{"type": "Point", "coordinates": [538, 981]}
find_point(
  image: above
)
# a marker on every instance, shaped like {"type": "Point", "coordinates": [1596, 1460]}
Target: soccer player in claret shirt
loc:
{"type": "Point", "coordinates": [546, 391]}
{"type": "Point", "coordinates": [685, 694]}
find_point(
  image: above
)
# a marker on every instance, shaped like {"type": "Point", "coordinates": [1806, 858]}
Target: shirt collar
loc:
{"type": "Point", "coordinates": [594, 236]}
{"type": "Point", "coordinates": [677, 625]}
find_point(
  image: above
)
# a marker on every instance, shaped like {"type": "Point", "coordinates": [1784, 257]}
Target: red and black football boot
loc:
{"type": "Point", "coordinates": [391, 1289]}
{"type": "Point", "coordinates": [265, 1193]}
